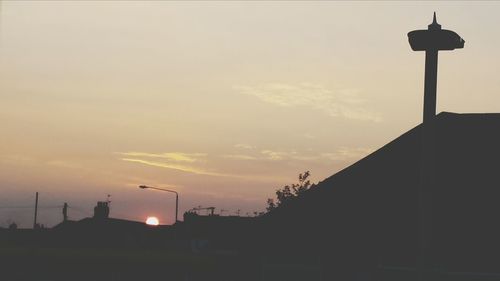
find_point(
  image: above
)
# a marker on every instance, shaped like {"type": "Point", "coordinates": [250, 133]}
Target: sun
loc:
{"type": "Point", "coordinates": [152, 221]}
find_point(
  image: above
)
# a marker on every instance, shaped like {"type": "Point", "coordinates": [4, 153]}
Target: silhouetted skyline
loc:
{"type": "Point", "coordinates": [224, 102]}
{"type": "Point", "coordinates": [193, 111]}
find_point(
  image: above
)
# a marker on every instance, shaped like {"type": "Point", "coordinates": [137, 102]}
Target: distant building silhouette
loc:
{"type": "Point", "coordinates": [101, 211]}
{"type": "Point", "coordinates": [102, 230]}
{"type": "Point", "coordinates": [365, 217]}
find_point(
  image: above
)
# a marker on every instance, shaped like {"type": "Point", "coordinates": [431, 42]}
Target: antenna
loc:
{"type": "Point", "coordinates": [434, 25]}
{"type": "Point", "coordinates": [36, 211]}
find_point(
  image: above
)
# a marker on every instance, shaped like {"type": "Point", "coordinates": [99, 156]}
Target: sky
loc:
{"type": "Point", "coordinates": [222, 101]}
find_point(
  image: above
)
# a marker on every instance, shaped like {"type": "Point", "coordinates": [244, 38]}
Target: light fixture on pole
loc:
{"type": "Point", "coordinates": [166, 190]}
{"type": "Point", "coordinates": [431, 40]}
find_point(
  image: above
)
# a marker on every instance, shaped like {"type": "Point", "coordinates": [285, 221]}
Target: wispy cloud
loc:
{"type": "Point", "coordinates": [240, 156]}
{"type": "Point", "coordinates": [170, 156]}
{"type": "Point", "coordinates": [183, 168]}
{"type": "Point", "coordinates": [348, 153]}
{"type": "Point", "coordinates": [275, 155]}
{"type": "Point", "coordinates": [202, 164]}
{"type": "Point", "coordinates": [344, 103]}
{"type": "Point", "coordinates": [244, 146]}
{"type": "Point", "coordinates": [186, 162]}
{"type": "Point", "coordinates": [200, 171]}
{"type": "Point", "coordinates": [341, 154]}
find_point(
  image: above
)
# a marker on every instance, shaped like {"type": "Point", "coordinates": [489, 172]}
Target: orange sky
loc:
{"type": "Point", "coordinates": [222, 101]}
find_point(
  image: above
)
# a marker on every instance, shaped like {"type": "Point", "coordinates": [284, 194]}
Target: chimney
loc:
{"type": "Point", "coordinates": [101, 211]}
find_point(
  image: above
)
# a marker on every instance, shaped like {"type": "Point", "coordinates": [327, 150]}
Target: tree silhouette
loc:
{"type": "Point", "coordinates": [290, 192]}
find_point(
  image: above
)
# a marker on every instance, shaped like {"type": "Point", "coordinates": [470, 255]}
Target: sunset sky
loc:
{"type": "Point", "coordinates": [222, 101]}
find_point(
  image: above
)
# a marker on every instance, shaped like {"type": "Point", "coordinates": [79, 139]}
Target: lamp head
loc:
{"type": "Point", "coordinates": [143, 186]}
{"type": "Point", "coordinates": [435, 38]}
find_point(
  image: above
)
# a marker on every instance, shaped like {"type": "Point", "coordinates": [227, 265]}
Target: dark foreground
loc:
{"type": "Point", "coordinates": [54, 264]}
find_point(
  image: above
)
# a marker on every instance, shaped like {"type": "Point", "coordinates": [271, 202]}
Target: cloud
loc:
{"type": "Point", "coordinates": [344, 103]}
{"type": "Point", "coordinates": [341, 154]}
{"type": "Point", "coordinates": [262, 155]}
{"type": "Point", "coordinates": [173, 166]}
{"type": "Point", "coordinates": [348, 153]}
{"type": "Point", "coordinates": [186, 162]}
{"type": "Point", "coordinates": [196, 163]}
{"type": "Point", "coordinates": [243, 146]}
{"type": "Point", "coordinates": [275, 155]}
{"type": "Point", "coordinates": [200, 171]}
{"type": "Point", "coordinates": [170, 156]}
{"type": "Point", "coordinates": [240, 156]}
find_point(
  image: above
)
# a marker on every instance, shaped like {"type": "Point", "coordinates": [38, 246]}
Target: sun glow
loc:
{"type": "Point", "coordinates": [152, 221]}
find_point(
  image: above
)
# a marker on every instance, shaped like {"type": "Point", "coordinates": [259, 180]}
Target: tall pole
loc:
{"type": "Point", "coordinates": [65, 212]}
{"type": "Point", "coordinates": [431, 40]}
{"type": "Point", "coordinates": [427, 168]}
{"type": "Point", "coordinates": [176, 206]}
{"type": "Point", "coordinates": [430, 84]}
{"type": "Point", "coordinates": [166, 190]}
{"type": "Point", "coordinates": [36, 211]}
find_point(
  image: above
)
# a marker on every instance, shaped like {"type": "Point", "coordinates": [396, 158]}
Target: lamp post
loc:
{"type": "Point", "coordinates": [431, 40]}
{"type": "Point", "coordinates": [167, 190]}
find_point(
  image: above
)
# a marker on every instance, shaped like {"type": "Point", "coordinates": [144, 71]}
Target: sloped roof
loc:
{"type": "Point", "coordinates": [104, 224]}
{"type": "Point", "coordinates": [456, 136]}
{"type": "Point", "coordinates": [373, 203]}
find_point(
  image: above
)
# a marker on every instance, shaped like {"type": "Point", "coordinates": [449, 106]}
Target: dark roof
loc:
{"type": "Point", "coordinates": [109, 232]}
{"type": "Point", "coordinates": [373, 203]}
{"type": "Point", "coordinates": [101, 224]}
{"type": "Point", "coordinates": [459, 137]}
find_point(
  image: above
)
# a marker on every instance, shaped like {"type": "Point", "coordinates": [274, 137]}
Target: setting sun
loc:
{"type": "Point", "coordinates": [152, 221]}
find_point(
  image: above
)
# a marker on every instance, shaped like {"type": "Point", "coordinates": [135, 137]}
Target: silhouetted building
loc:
{"type": "Point", "coordinates": [365, 216]}
{"type": "Point", "coordinates": [215, 232]}
{"type": "Point", "coordinates": [101, 211]}
{"type": "Point", "coordinates": [101, 230]}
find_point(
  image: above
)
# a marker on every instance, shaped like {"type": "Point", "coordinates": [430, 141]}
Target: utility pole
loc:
{"type": "Point", "coordinates": [65, 212]}
{"type": "Point", "coordinates": [432, 40]}
{"type": "Point", "coordinates": [36, 211]}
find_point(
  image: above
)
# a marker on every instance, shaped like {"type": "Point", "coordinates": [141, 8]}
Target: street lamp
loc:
{"type": "Point", "coordinates": [167, 190]}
